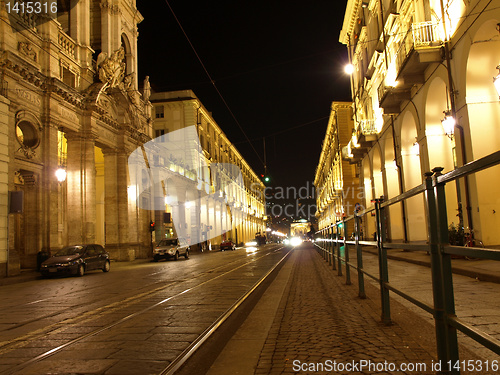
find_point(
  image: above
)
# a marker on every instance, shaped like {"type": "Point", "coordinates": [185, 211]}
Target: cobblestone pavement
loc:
{"type": "Point", "coordinates": [320, 321]}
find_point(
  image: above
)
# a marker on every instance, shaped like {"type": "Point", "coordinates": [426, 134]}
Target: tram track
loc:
{"type": "Point", "coordinates": [150, 288]}
{"type": "Point", "coordinates": [120, 307]}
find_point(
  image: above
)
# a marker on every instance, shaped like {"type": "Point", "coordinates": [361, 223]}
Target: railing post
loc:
{"type": "Point", "coordinates": [332, 249]}
{"type": "Point", "coordinates": [359, 258]}
{"type": "Point", "coordinates": [325, 244]}
{"type": "Point", "coordinates": [442, 283]}
{"type": "Point", "coordinates": [337, 245]}
{"type": "Point", "coordinates": [382, 263]}
{"type": "Point", "coordinates": [346, 252]}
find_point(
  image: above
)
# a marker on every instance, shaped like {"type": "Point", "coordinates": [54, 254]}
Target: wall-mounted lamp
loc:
{"type": "Point", "coordinates": [416, 148]}
{"type": "Point", "coordinates": [365, 3]}
{"type": "Point", "coordinates": [349, 69]}
{"type": "Point", "coordinates": [61, 174]}
{"type": "Point", "coordinates": [496, 81]}
{"type": "Point", "coordinates": [448, 124]}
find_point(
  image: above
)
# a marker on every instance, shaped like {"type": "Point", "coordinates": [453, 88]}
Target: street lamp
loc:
{"type": "Point", "coordinates": [496, 81]}
{"type": "Point", "coordinates": [61, 174]}
{"type": "Point", "coordinates": [349, 69]}
{"type": "Point", "coordinates": [448, 124]}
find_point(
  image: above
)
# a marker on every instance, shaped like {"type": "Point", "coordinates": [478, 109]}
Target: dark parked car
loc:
{"type": "Point", "coordinates": [76, 260]}
{"type": "Point", "coordinates": [227, 245]}
{"type": "Point", "coordinates": [171, 248]}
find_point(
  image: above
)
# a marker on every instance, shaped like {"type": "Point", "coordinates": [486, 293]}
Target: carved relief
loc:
{"type": "Point", "coordinates": [28, 50]}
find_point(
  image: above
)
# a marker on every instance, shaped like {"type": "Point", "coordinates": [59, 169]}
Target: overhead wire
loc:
{"type": "Point", "coordinates": [213, 83]}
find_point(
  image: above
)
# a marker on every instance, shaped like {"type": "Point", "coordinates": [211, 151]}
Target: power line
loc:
{"type": "Point", "coordinates": [285, 130]}
{"type": "Point", "coordinates": [213, 83]}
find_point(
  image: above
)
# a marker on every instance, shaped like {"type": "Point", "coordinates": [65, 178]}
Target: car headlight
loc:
{"type": "Point", "coordinates": [251, 243]}
{"type": "Point", "coordinates": [171, 251]}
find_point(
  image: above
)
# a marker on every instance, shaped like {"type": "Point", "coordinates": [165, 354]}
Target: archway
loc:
{"type": "Point", "coordinates": [439, 149]}
{"type": "Point", "coordinates": [484, 130]}
{"type": "Point", "coordinates": [412, 174]}
{"type": "Point", "coordinates": [392, 177]}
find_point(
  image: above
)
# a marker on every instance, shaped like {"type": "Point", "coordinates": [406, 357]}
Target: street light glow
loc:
{"type": "Point", "coordinates": [349, 69]}
{"type": "Point", "coordinates": [496, 81]}
{"type": "Point", "coordinates": [448, 124]}
{"type": "Point", "coordinates": [61, 174]}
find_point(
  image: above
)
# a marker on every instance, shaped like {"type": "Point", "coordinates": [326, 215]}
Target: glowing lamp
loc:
{"type": "Point", "coordinates": [61, 174]}
{"type": "Point", "coordinates": [496, 81]}
{"type": "Point", "coordinates": [448, 124]}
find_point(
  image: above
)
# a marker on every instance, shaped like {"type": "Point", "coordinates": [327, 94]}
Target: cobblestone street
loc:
{"type": "Point", "coordinates": [320, 319]}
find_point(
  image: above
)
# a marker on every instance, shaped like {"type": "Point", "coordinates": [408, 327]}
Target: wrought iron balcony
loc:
{"type": "Point", "coordinates": [420, 46]}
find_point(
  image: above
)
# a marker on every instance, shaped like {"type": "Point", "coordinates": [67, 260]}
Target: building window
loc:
{"type": "Point", "coordinates": [69, 77]}
{"type": "Point", "coordinates": [159, 132]}
{"type": "Point", "coordinates": [159, 111]}
{"type": "Point", "coordinates": [27, 135]}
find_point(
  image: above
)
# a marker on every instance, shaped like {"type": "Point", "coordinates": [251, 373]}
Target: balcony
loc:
{"type": "Point", "coordinates": [420, 47]}
{"type": "Point", "coordinates": [391, 97]}
{"type": "Point", "coordinates": [68, 45]}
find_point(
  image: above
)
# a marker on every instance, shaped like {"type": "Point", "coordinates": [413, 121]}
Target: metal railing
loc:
{"type": "Point", "coordinates": [331, 245]}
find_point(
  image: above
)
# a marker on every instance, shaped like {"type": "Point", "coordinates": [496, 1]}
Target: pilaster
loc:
{"type": "Point", "coordinates": [81, 188]}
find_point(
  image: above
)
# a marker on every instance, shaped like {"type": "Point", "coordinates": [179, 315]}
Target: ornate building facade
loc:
{"type": "Point", "coordinates": [337, 180]}
{"type": "Point", "coordinates": [419, 66]}
{"type": "Point", "coordinates": [217, 194]}
{"type": "Point", "coordinates": [71, 114]}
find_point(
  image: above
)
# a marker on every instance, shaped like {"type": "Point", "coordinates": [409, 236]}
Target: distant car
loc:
{"type": "Point", "coordinates": [76, 260]}
{"type": "Point", "coordinates": [171, 248]}
{"type": "Point", "coordinates": [227, 245]}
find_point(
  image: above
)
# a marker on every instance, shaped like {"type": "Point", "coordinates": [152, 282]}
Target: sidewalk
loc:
{"type": "Point", "coordinates": [309, 320]}
{"type": "Point", "coordinates": [481, 269]}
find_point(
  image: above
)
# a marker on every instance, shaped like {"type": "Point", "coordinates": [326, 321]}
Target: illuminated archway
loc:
{"type": "Point", "coordinates": [482, 134]}
{"type": "Point", "coordinates": [440, 149]}
{"type": "Point", "coordinates": [392, 177]}
{"type": "Point", "coordinates": [412, 174]}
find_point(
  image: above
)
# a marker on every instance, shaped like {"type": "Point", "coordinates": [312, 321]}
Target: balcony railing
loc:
{"type": "Point", "coordinates": [426, 34]}
{"type": "Point", "coordinates": [367, 126]}
{"type": "Point", "coordinates": [420, 36]}
{"type": "Point", "coordinates": [67, 44]}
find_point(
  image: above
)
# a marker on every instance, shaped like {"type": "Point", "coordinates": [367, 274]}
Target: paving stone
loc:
{"type": "Point", "coordinates": [319, 319]}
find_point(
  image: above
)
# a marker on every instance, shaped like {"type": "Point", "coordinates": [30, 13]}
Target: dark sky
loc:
{"type": "Point", "coordinates": [278, 65]}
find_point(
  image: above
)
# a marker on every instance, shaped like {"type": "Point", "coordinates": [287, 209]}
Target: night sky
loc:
{"type": "Point", "coordinates": [277, 64]}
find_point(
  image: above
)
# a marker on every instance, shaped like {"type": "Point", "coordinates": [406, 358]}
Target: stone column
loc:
{"type": "Point", "coordinates": [179, 211]}
{"type": "Point", "coordinates": [4, 184]}
{"type": "Point", "coordinates": [196, 222]}
{"type": "Point", "coordinates": [81, 188]}
{"type": "Point", "coordinates": [50, 190]}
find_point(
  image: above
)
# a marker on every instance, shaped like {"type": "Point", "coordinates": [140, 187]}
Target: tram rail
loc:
{"type": "Point", "coordinates": [143, 304]}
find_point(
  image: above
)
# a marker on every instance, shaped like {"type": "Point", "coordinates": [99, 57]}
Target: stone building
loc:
{"type": "Point", "coordinates": [207, 185]}
{"type": "Point", "coordinates": [337, 180]}
{"type": "Point", "coordinates": [69, 103]}
{"type": "Point", "coordinates": [423, 91]}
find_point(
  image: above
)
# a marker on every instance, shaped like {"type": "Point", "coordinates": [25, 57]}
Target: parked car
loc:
{"type": "Point", "coordinates": [227, 245]}
{"type": "Point", "coordinates": [171, 248]}
{"type": "Point", "coordinates": [76, 260]}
